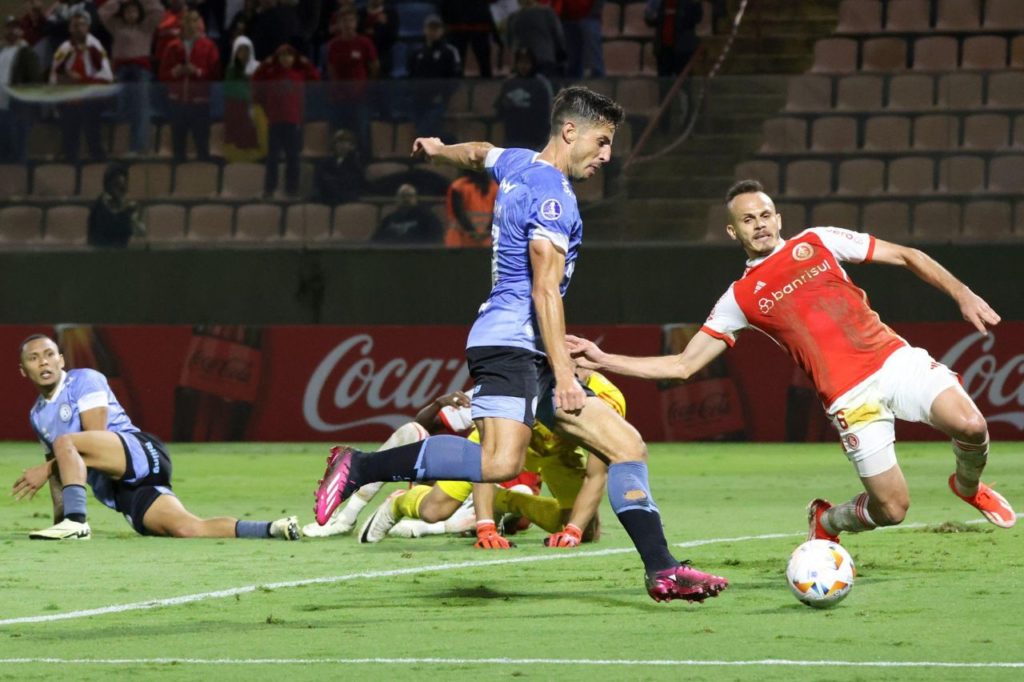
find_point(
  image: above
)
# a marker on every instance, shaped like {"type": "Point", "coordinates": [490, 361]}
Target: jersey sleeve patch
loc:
{"type": "Point", "coordinates": [846, 245]}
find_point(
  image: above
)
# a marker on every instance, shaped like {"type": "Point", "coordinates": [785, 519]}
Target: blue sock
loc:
{"type": "Point", "coordinates": [74, 503]}
{"type": "Point", "coordinates": [438, 458]}
{"type": "Point", "coordinates": [631, 500]}
{"type": "Point", "coordinates": [252, 529]}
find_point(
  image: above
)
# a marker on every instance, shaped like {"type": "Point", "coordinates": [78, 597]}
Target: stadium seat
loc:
{"type": "Point", "coordinates": [195, 180]}
{"type": "Point", "coordinates": [316, 139]}
{"type": "Point", "coordinates": [836, 214]}
{"type": "Point", "coordinates": [642, 94]}
{"type": "Point", "coordinates": [984, 53]}
{"type": "Point", "coordinates": [834, 134]}
{"type": "Point", "coordinates": [258, 222]}
{"type": "Point", "coordinates": [960, 91]}
{"type": "Point", "coordinates": [1006, 90]}
{"type": "Point", "coordinates": [54, 180]}
{"type": "Point", "coordinates": [1018, 131]}
{"type": "Point", "coordinates": [622, 58]}
{"type": "Point", "coordinates": [808, 178]}
{"type": "Point", "coordinates": [210, 222]}
{"type": "Point", "coordinates": [1006, 174]}
{"type": "Point", "coordinates": [383, 171]}
{"type": "Point", "coordinates": [1004, 14]}
{"type": "Point", "coordinates": [468, 129]}
{"type": "Point", "coordinates": [786, 134]}
{"type": "Point", "coordinates": [382, 139]}
{"type": "Point", "coordinates": [307, 222]}
{"type": "Point", "coordinates": [935, 53]}
{"type": "Point", "coordinates": [165, 222]}
{"type": "Point", "coordinates": [809, 93]}
{"type": "Point", "coordinates": [958, 15]}
{"type": "Point", "coordinates": [835, 55]}
{"type": "Point", "coordinates": [986, 131]}
{"type": "Point", "coordinates": [20, 224]}
{"type": "Point", "coordinates": [884, 54]}
{"type": "Point", "coordinates": [887, 133]}
{"type": "Point", "coordinates": [937, 221]}
{"type": "Point", "coordinates": [889, 220]}
{"type": "Point", "coordinates": [458, 103]}
{"type": "Point", "coordinates": [611, 20]}
{"type": "Point", "coordinates": [149, 180]}
{"type": "Point", "coordinates": [988, 220]}
{"type": "Point", "coordinates": [650, 61]}
{"type": "Point", "coordinates": [961, 174]}
{"type": "Point", "coordinates": [765, 172]}
{"type": "Point", "coordinates": [485, 92]}
{"type": "Point", "coordinates": [911, 91]}
{"type": "Point", "coordinates": [633, 24]}
{"type": "Point", "coordinates": [794, 217]}
{"type": "Point", "coordinates": [861, 177]}
{"type": "Point", "coordinates": [911, 176]}
{"type": "Point", "coordinates": [860, 16]}
{"type": "Point", "coordinates": [1018, 220]}
{"type": "Point", "coordinates": [718, 218]}
{"type": "Point", "coordinates": [859, 93]}
{"type": "Point", "coordinates": [908, 15]}
{"type": "Point", "coordinates": [936, 132]}
{"type": "Point", "coordinates": [242, 181]}
{"type": "Point", "coordinates": [354, 222]}
{"type": "Point", "coordinates": [66, 224]}
{"type": "Point", "coordinates": [405, 133]}
{"type": "Point", "coordinates": [217, 139]}
{"type": "Point", "coordinates": [13, 180]}
{"type": "Point", "coordinates": [90, 180]}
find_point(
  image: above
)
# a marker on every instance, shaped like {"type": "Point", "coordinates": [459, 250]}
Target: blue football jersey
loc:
{"type": "Point", "coordinates": [79, 390]}
{"type": "Point", "coordinates": [535, 201]}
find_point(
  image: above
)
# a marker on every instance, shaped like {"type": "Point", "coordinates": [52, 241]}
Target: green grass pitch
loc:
{"type": "Point", "coordinates": [939, 591]}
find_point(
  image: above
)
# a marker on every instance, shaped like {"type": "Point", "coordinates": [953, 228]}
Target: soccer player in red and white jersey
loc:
{"type": "Point", "coordinates": [796, 292]}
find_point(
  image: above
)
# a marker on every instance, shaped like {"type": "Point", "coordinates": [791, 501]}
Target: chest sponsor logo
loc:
{"type": "Point", "coordinates": [551, 209]}
{"type": "Point", "coordinates": [802, 251]}
{"type": "Point", "coordinates": [64, 413]}
{"type": "Point", "coordinates": [766, 303]}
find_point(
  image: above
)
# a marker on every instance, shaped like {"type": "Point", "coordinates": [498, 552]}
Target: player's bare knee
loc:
{"type": "Point", "coordinates": [64, 446]}
{"type": "Point", "coordinates": [634, 452]}
{"type": "Point", "coordinates": [892, 512]}
{"type": "Point", "coordinates": [973, 428]}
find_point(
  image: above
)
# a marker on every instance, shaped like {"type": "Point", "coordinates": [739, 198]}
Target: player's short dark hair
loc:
{"type": "Point", "coordinates": [580, 103]}
{"type": "Point", "coordinates": [30, 339]}
{"type": "Point", "coordinates": [743, 187]}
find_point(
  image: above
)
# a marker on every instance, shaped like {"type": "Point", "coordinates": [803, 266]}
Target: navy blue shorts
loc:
{"type": "Point", "coordinates": [147, 476]}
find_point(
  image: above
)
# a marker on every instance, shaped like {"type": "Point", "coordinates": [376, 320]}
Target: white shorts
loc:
{"type": "Point", "coordinates": [905, 387]}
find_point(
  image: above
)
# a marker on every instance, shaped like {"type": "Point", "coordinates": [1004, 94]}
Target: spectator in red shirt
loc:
{"type": "Point", "coordinates": [280, 86]}
{"type": "Point", "coordinates": [351, 62]}
{"type": "Point", "coordinates": [581, 23]}
{"type": "Point", "coordinates": [675, 40]}
{"type": "Point", "coordinates": [169, 28]}
{"type": "Point", "coordinates": [81, 60]}
{"type": "Point", "coordinates": [188, 65]}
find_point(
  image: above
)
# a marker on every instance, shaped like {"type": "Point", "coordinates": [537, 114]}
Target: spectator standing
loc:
{"type": "Point", "coordinates": [378, 21]}
{"type": "Point", "coordinates": [276, 23]}
{"type": "Point", "coordinates": [132, 24]}
{"type": "Point", "coordinates": [470, 206]}
{"type": "Point", "coordinates": [58, 22]}
{"type": "Point", "coordinates": [19, 65]}
{"type": "Point", "coordinates": [524, 104]}
{"type": "Point", "coordinates": [352, 61]}
{"type": "Point", "coordinates": [339, 177]}
{"type": "Point", "coordinates": [675, 32]}
{"type": "Point", "coordinates": [113, 220]}
{"type": "Point", "coordinates": [410, 222]}
{"type": "Point", "coordinates": [470, 25]}
{"type": "Point", "coordinates": [245, 123]}
{"type": "Point", "coordinates": [280, 84]}
{"type": "Point", "coordinates": [81, 60]}
{"type": "Point", "coordinates": [537, 27]}
{"type": "Point", "coordinates": [189, 65]}
{"type": "Point", "coordinates": [33, 27]}
{"type": "Point", "coordinates": [581, 24]}
{"type": "Point", "coordinates": [435, 66]}
{"type": "Point", "coordinates": [168, 30]}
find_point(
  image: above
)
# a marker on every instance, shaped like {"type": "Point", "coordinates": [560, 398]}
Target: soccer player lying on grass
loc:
{"type": "Point", "coordinates": [797, 293]}
{"type": "Point", "coordinates": [88, 437]}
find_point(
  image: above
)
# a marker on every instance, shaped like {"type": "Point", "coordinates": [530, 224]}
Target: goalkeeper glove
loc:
{"type": "Point", "coordinates": [487, 537]}
{"type": "Point", "coordinates": [570, 536]}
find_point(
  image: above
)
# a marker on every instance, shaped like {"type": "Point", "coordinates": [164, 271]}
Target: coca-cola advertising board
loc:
{"type": "Point", "coordinates": [327, 384]}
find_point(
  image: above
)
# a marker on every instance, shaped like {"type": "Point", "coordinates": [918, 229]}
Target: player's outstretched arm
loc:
{"type": "Point", "coordinates": [973, 307]}
{"type": "Point", "coordinates": [427, 417]}
{"type": "Point", "coordinates": [468, 155]}
{"type": "Point", "coordinates": [701, 350]}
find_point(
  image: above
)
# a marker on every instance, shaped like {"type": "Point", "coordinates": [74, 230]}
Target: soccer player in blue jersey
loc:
{"type": "Point", "coordinates": [516, 350]}
{"type": "Point", "coordinates": [89, 438]}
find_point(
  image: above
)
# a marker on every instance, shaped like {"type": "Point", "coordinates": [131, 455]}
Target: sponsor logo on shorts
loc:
{"type": "Point", "coordinates": [65, 413]}
{"type": "Point", "coordinates": [802, 251]}
{"type": "Point", "coordinates": [765, 304]}
{"type": "Point", "coordinates": [851, 442]}
{"type": "Point", "coordinates": [551, 209]}
{"type": "Point", "coordinates": [154, 457]}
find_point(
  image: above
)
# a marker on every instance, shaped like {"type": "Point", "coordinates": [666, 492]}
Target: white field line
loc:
{"type": "Point", "coordinates": [775, 662]}
{"type": "Point", "coordinates": [327, 580]}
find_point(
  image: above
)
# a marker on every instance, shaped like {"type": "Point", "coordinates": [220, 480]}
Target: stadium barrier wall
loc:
{"type": "Point", "coordinates": [357, 383]}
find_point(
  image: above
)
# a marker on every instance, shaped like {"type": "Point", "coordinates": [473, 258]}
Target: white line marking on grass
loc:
{"type": "Point", "coordinates": [777, 662]}
{"type": "Point", "coordinates": [327, 580]}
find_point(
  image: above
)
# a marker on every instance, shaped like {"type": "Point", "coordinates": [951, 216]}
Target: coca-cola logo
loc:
{"type": "Point", "coordinates": [236, 369]}
{"type": "Point", "coordinates": [349, 381]}
{"type": "Point", "coordinates": [710, 406]}
{"type": "Point", "coordinates": [996, 385]}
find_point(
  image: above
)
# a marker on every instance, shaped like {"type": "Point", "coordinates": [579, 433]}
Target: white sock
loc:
{"type": "Point", "coordinates": [970, 462]}
{"type": "Point", "coordinates": [416, 528]}
{"type": "Point", "coordinates": [852, 517]}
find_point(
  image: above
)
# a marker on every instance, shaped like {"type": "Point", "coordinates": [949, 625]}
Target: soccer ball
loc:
{"type": "Point", "coordinates": [820, 573]}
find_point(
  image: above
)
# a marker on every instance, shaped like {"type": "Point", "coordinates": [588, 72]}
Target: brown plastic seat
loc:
{"type": "Point", "coordinates": [935, 53]}
{"type": "Point", "coordinates": [611, 23]}
{"type": "Point", "coordinates": [809, 93]}
{"type": "Point", "coordinates": [908, 15]}
{"type": "Point", "coordinates": [13, 180]}
{"type": "Point", "coordinates": [986, 131]}
{"type": "Point", "coordinates": [1004, 14]}
{"type": "Point", "coordinates": [316, 139]}
{"type": "Point", "coordinates": [382, 139]}
{"type": "Point", "coordinates": [958, 15]}
{"type": "Point", "coordinates": [54, 180]}
{"type": "Point", "coordinates": [354, 222]}
{"type": "Point", "coordinates": [836, 214]}
{"type": "Point", "coordinates": [961, 174]}
{"type": "Point", "coordinates": [888, 220]}
{"type": "Point", "coordinates": [834, 134]}
{"type": "Point", "coordinates": [960, 90]}
{"type": "Point", "coordinates": [196, 180]}
{"type": "Point", "coordinates": [861, 177]}
{"type": "Point", "coordinates": [794, 217]}
{"type": "Point", "coordinates": [165, 222]}
{"type": "Point", "coordinates": [988, 220]}
{"type": "Point", "coordinates": [633, 24]}
{"type": "Point", "coordinates": [884, 54]}
{"type": "Point", "coordinates": [21, 224]}
{"type": "Point", "coordinates": [887, 133]}
{"type": "Point", "coordinates": [984, 53]}
{"type": "Point", "coordinates": [1006, 174]}
{"type": "Point", "coordinates": [860, 16]}
{"type": "Point", "coordinates": [1017, 52]}
{"type": "Point", "coordinates": [210, 222]}
{"type": "Point", "coordinates": [765, 172]}
{"type": "Point", "coordinates": [834, 55]}
{"type": "Point", "coordinates": [150, 180]}
{"type": "Point", "coordinates": [90, 180]}
{"type": "Point", "coordinates": [307, 222]}
{"type": "Point", "coordinates": [621, 58]}
{"type": "Point", "coordinates": [911, 175]}
{"type": "Point", "coordinates": [808, 178]}
{"type": "Point", "coordinates": [258, 222]}
{"type": "Point", "coordinates": [1006, 90]}
{"type": "Point", "coordinates": [641, 93]}
{"type": "Point", "coordinates": [936, 132]}
{"type": "Point", "coordinates": [66, 224]}
{"type": "Point", "coordinates": [242, 180]}
{"type": "Point", "coordinates": [786, 134]}
{"type": "Point", "coordinates": [859, 93]}
{"type": "Point", "coordinates": [911, 91]}
{"type": "Point", "coordinates": [718, 218]}
{"type": "Point", "coordinates": [936, 221]}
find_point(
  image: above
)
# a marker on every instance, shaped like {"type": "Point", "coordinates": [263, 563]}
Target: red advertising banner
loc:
{"type": "Point", "coordinates": [336, 384]}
